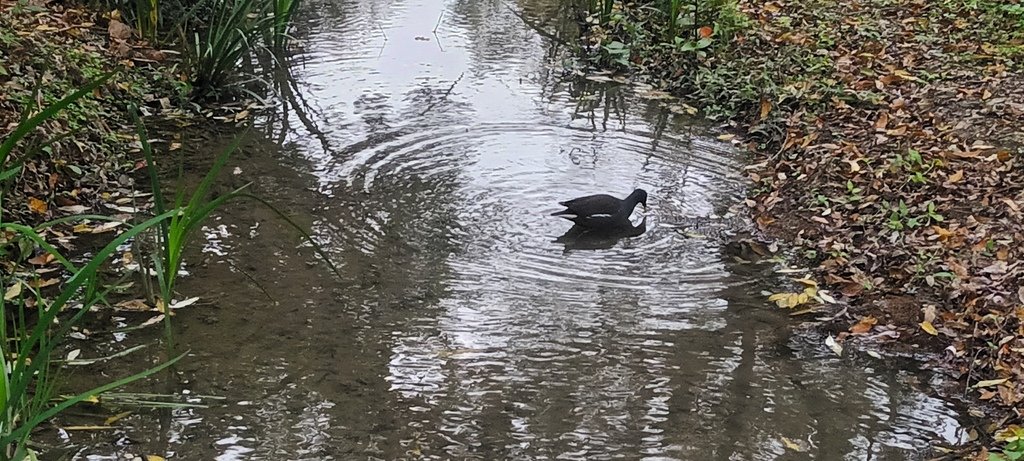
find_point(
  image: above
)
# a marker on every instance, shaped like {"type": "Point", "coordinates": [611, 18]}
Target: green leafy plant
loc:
{"type": "Point", "coordinates": [618, 53]}
{"type": "Point", "coordinates": [233, 32]}
{"type": "Point", "coordinates": [1013, 436]}
{"type": "Point", "coordinates": [27, 344]}
{"type": "Point", "coordinates": [283, 11]}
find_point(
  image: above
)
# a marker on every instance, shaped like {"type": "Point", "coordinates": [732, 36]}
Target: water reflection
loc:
{"type": "Point", "coordinates": [581, 238]}
{"type": "Point", "coordinates": [469, 325]}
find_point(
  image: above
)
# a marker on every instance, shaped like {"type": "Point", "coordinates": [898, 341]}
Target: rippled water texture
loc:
{"type": "Point", "coordinates": [464, 328]}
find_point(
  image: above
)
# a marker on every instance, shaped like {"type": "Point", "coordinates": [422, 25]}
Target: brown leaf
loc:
{"type": "Point", "coordinates": [882, 121]}
{"type": "Point", "coordinates": [864, 325]}
{"type": "Point", "coordinates": [119, 30]}
{"type": "Point", "coordinates": [36, 205]}
{"type": "Point", "coordinates": [956, 177]}
{"type": "Point", "coordinates": [41, 283]}
{"type": "Point", "coordinates": [132, 305]}
{"type": "Point", "coordinates": [898, 131]}
{"type": "Point", "coordinates": [852, 289]}
{"type": "Point", "coordinates": [705, 32]}
{"type": "Point", "coordinates": [41, 260]}
{"type": "Point", "coordinates": [766, 108]}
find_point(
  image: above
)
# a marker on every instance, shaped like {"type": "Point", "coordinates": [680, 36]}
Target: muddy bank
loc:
{"type": "Point", "coordinates": [889, 158]}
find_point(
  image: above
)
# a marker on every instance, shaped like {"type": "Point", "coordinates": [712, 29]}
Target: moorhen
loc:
{"type": "Point", "coordinates": [601, 211]}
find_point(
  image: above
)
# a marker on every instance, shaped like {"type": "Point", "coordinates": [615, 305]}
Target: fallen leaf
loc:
{"type": "Point", "coordinates": [74, 209]}
{"type": "Point", "coordinates": [154, 458]}
{"type": "Point", "coordinates": [41, 260]}
{"type": "Point", "coordinates": [132, 305]}
{"type": "Point", "coordinates": [119, 30]}
{"type": "Point", "coordinates": [43, 283]}
{"type": "Point", "coordinates": [766, 108]}
{"type": "Point", "coordinates": [929, 328]}
{"type": "Point", "coordinates": [117, 417]}
{"type": "Point", "coordinates": [989, 383]}
{"type": "Point", "coordinates": [864, 325]}
{"type": "Point", "coordinates": [832, 344]}
{"type": "Point", "coordinates": [14, 291]}
{"type": "Point", "coordinates": [705, 32]}
{"type": "Point", "coordinates": [106, 227]}
{"type": "Point", "coordinates": [73, 355]}
{"type": "Point", "coordinates": [184, 303]}
{"type": "Point", "coordinates": [791, 445]}
{"type": "Point", "coordinates": [956, 177]}
{"type": "Point", "coordinates": [929, 313]}
{"type": "Point", "coordinates": [36, 205]}
{"type": "Point", "coordinates": [152, 320]}
{"type": "Point", "coordinates": [882, 121]}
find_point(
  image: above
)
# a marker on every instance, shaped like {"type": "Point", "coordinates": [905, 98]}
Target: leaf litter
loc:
{"type": "Point", "coordinates": [889, 155]}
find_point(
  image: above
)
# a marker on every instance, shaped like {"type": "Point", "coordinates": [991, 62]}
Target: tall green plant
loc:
{"type": "Point", "coordinates": [176, 232]}
{"type": "Point", "coordinates": [232, 34]}
{"type": "Point", "coordinates": [26, 345]}
{"type": "Point", "coordinates": [147, 17]}
{"type": "Point", "coordinates": [283, 12]}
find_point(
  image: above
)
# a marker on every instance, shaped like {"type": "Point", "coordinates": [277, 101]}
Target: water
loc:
{"type": "Point", "coordinates": [427, 163]}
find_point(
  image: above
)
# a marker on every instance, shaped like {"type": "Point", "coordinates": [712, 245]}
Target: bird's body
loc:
{"type": "Point", "coordinates": [602, 211]}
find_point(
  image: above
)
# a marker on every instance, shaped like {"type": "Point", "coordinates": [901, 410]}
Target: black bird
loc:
{"type": "Point", "coordinates": [602, 211]}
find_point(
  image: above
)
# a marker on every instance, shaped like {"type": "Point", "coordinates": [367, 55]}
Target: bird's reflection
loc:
{"type": "Point", "coordinates": [582, 238]}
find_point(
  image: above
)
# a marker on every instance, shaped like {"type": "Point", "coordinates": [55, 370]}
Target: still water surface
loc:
{"type": "Point", "coordinates": [426, 163]}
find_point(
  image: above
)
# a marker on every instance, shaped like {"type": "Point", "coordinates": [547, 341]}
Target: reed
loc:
{"type": "Point", "coordinates": [29, 331]}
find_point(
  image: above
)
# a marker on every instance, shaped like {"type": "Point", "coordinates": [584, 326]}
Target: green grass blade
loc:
{"type": "Point", "coordinates": [25, 428]}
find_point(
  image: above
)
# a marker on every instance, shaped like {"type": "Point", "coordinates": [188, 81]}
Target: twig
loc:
{"type": "Point", "coordinates": [436, 38]}
{"type": "Point", "coordinates": [251, 279]}
{"type": "Point", "coordinates": [443, 97]}
{"type": "Point", "coordinates": [438, 22]}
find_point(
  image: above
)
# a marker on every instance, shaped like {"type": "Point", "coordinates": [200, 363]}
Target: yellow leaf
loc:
{"type": "Point", "coordinates": [807, 281]}
{"type": "Point", "coordinates": [791, 445]}
{"type": "Point", "coordinates": [990, 383]}
{"type": "Point", "coordinates": [92, 399]}
{"type": "Point", "coordinates": [777, 296]}
{"type": "Point", "coordinates": [154, 458]}
{"type": "Point", "coordinates": [36, 205]}
{"type": "Point", "coordinates": [929, 328]}
{"type": "Point", "coordinates": [116, 418]}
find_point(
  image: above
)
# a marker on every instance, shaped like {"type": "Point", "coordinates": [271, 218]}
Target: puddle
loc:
{"type": "Point", "coordinates": [427, 165]}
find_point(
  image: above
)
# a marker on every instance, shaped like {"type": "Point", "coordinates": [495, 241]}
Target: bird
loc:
{"type": "Point", "coordinates": [602, 211]}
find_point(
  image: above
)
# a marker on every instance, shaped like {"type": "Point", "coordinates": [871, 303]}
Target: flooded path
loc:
{"type": "Point", "coordinates": [427, 163]}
